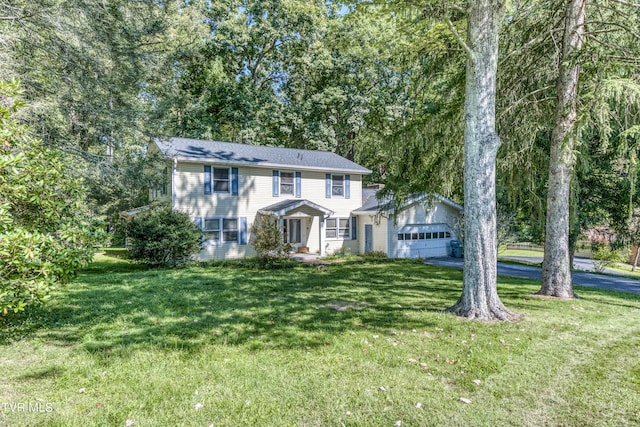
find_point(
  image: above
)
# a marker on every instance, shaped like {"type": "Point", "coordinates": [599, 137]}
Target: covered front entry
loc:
{"type": "Point", "coordinates": [301, 222]}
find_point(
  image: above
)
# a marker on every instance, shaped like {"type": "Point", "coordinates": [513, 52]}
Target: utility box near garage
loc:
{"type": "Point", "coordinates": [456, 248]}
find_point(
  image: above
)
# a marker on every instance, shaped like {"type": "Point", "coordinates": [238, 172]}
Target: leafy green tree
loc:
{"type": "Point", "coordinates": [564, 106]}
{"type": "Point", "coordinates": [46, 233]}
{"type": "Point", "coordinates": [163, 237]}
{"type": "Point", "coordinates": [90, 69]}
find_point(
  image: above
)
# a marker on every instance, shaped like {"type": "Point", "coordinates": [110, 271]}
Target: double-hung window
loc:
{"type": "Point", "coordinates": [331, 228]}
{"type": "Point", "coordinates": [287, 183]}
{"type": "Point", "coordinates": [230, 230]}
{"type": "Point", "coordinates": [338, 228]}
{"type": "Point", "coordinates": [337, 185]}
{"type": "Point", "coordinates": [225, 230]}
{"type": "Point", "coordinates": [221, 180]}
{"type": "Point", "coordinates": [211, 228]}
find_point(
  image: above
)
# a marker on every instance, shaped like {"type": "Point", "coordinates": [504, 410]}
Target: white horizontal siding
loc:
{"type": "Point", "coordinates": [379, 224]}
{"type": "Point", "coordinates": [422, 214]}
{"type": "Point", "coordinates": [255, 191]}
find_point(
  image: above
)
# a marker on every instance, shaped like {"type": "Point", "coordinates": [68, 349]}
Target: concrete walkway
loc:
{"type": "Point", "coordinates": [590, 280]}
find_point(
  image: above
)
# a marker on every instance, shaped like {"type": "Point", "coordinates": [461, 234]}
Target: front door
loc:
{"type": "Point", "coordinates": [293, 231]}
{"type": "Point", "coordinates": [368, 238]}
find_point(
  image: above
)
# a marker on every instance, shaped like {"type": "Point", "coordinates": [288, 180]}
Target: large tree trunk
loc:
{"type": "Point", "coordinates": [556, 268]}
{"type": "Point", "coordinates": [479, 298]}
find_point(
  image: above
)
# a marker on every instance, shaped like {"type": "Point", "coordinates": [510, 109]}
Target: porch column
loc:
{"type": "Point", "coordinates": [321, 237]}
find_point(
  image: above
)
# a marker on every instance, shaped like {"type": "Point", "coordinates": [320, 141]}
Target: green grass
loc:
{"type": "Point", "coordinates": [354, 343]}
{"type": "Point", "coordinates": [625, 269]}
{"type": "Point", "coordinates": [520, 252]}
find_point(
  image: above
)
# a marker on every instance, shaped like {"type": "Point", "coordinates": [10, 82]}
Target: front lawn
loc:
{"type": "Point", "coordinates": [355, 343]}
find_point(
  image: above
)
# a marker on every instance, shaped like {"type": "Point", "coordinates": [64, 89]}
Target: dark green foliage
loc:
{"type": "Point", "coordinates": [266, 238]}
{"type": "Point", "coordinates": [46, 234]}
{"type": "Point", "coordinates": [375, 255]}
{"type": "Point", "coordinates": [163, 237]}
{"type": "Point", "coordinates": [256, 263]}
{"type": "Point", "coordinates": [607, 256]}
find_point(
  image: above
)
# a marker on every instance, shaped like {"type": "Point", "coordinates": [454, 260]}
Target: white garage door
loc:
{"type": "Point", "coordinates": [424, 240]}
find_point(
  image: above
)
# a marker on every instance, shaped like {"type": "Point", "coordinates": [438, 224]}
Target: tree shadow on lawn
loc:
{"type": "Point", "coordinates": [300, 308]}
{"type": "Point", "coordinates": [608, 297]}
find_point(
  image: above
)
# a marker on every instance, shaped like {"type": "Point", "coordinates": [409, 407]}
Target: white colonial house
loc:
{"type": "Point", "coordinates": [317, 196]}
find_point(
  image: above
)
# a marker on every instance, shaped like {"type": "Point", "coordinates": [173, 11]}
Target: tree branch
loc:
{"type": "Point", "coordinates": [460, 40]}
{"type": "Point", "coordinates": [618, 24]}
{"type": "Point", "coordinates": [627, 3]}
{"type": "Point", "coordinates": [521, 100]}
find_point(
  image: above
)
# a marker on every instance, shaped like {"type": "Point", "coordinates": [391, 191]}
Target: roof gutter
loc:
{"type": "Point", "coordinates": [364, 171]}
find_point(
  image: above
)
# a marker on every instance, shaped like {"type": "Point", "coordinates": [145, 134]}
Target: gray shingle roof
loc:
{"type": "Point", "coordinates": [255, 155]}
{"type": "Point", "coordinates": [285, 206]}
{"type": "Point", "coordinates": [370, 202]}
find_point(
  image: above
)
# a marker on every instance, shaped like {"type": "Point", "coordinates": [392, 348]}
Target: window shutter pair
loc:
{"type": "Point", "coordinates": [208, 181]}
{"type": "Point", "coordinates": [347, 186]}
{"type": "Point", "coordinates": [199, 221]}
{"type": "Point", "coordinates": [276, 184]}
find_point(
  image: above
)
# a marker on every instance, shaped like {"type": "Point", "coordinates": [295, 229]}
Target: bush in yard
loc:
{"type": "Point", "coordinates": [46, 233]}
{"type": "Point", "coordinates": [375, 255]}
{"type": "Point", "coordinates": [163, 237]}
{"type": "Point", "coordinates": [266, 238]}
{"type": "Point", "coordinates": [607, 257]}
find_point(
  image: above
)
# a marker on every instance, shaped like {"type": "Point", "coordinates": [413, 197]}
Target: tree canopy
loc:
{"type": "Point", "coordinates": [379, 82]}
{"type": "Point", "coordinates": [46, 232]}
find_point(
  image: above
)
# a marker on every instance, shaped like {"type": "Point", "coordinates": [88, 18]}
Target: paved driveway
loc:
{"type": "Point", "coordinates": [583, 264]}
{"type": "Point", "coordinates": [590, 280]}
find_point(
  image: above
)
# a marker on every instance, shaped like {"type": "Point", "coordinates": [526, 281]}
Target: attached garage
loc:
{"type": "Point", "coordinates": [423, 228]}
{"type": "Point", "coordinates": [424, 240]}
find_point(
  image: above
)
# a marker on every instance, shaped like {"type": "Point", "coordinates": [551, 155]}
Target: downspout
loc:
{"type": "Point", "coordinates": [389, 239]}
{"type": "Point", "coordinates": [321, 219]}
{"type": "Point", "coordinates": [174, 170]}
